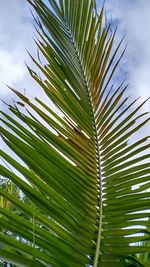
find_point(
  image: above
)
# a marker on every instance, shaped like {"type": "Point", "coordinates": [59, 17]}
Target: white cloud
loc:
{"type": "Point", "coordinates": [133, 19]}
{"type": "Point", "coordinates": [16, 35]}
{"type": "Point", "coordinates": [11, 68]}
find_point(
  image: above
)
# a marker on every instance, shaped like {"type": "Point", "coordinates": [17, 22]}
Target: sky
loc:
{"type": "Point", "coordinates": [17, 32]}
{"type": "Point", "coordinates": [16, 38]}
{"type": "Point", "coordinates": [132, 17]}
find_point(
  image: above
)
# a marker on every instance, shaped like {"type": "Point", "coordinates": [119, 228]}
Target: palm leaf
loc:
{"type": "Point", "coordinates": [78, 166]}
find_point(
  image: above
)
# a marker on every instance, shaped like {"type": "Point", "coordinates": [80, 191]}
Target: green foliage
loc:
{"type": "Point", "coordinates": [80, 168]}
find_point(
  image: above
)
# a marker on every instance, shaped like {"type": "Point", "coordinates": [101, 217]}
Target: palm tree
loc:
{"type": "Point", "coordinates": [87, 183]}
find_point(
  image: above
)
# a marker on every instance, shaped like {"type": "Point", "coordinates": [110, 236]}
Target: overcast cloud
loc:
{"type": "Point", "coordinates": [132, 16]}
{"type": "Point", "coordinates": [16, 35]}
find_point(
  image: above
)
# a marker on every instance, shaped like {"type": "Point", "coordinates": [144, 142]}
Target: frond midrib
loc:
{"type": "Point", "coordinates": [98, 156]}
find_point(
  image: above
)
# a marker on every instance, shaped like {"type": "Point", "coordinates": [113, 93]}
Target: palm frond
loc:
{"type": "Point", "coordinates": [79, 167]}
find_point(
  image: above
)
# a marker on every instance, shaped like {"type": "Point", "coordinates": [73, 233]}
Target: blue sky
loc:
{"type": "Point", "coordinates": [16, 35]}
